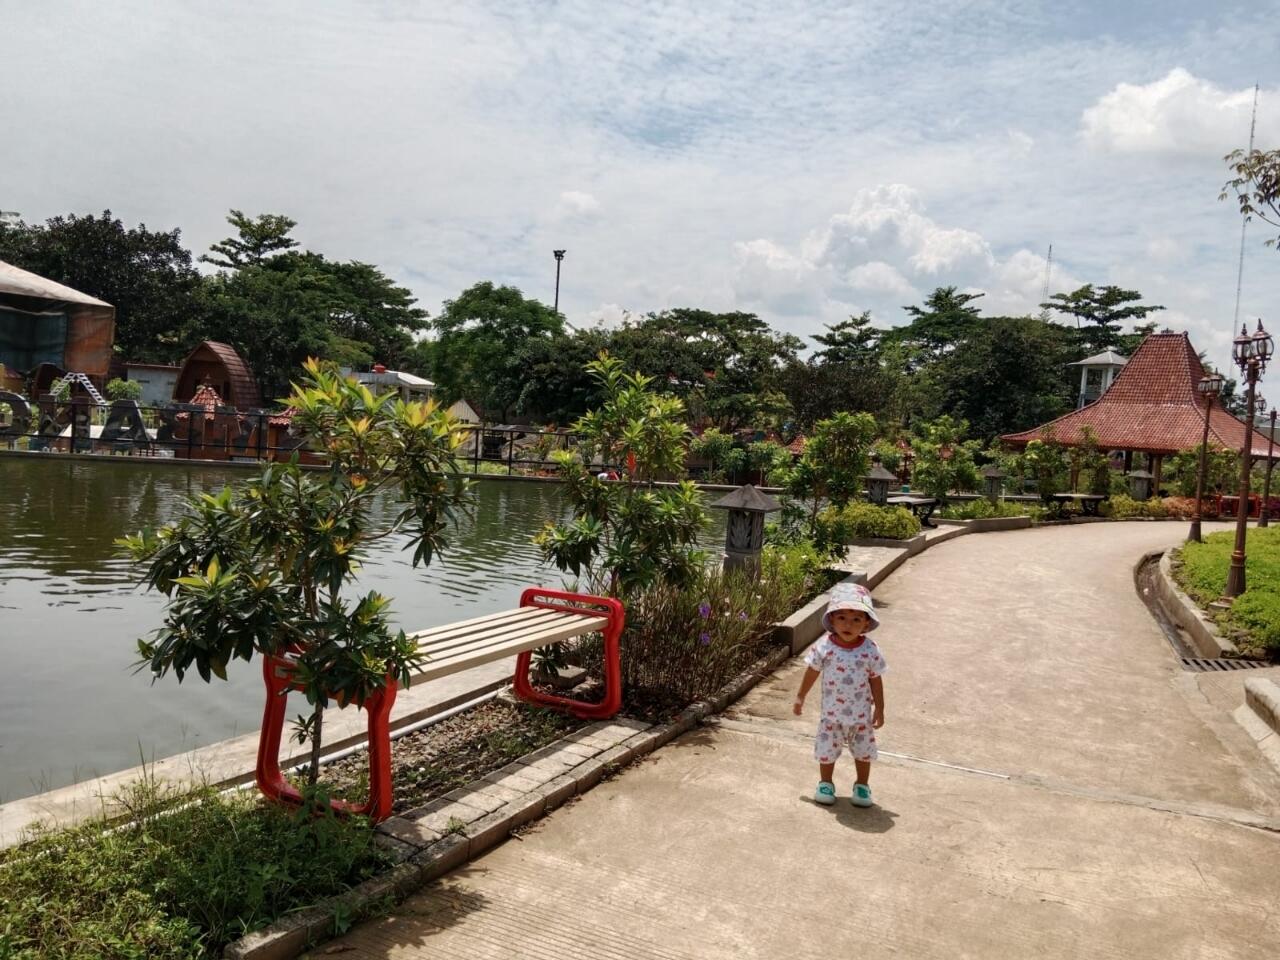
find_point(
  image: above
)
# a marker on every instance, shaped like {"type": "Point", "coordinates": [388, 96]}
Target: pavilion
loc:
{"type": "Point", "coordinates": [1152, 407]}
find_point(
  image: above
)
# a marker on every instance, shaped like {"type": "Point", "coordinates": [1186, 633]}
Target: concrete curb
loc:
{"type": "Point", "coordinates": [1185, 612]}
{"type": "Point", "coordinates": [431, 840]}
{"type": "Point", "coordinates": [1262, 696]}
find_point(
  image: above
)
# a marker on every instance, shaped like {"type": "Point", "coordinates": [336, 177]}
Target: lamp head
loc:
{"type": "Point", "coordinates": [1263, 344]}
{"type": "Point", "coordinates": [1210, 386]}
{"type": "Point", "coordinates": [1242, 348]}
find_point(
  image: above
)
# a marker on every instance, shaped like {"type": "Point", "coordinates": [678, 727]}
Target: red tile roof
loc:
{"type": "Point", "coordinates": [1152, 407]}
{"type": "Point", "coordinates": [208, 398]}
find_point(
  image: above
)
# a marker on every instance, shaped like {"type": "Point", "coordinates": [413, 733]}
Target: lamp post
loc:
{"type": "Point", "coordinates": [1251, 354]}
{"type": "Point", "coordinates": [744, 532]}
{"type": "Point", "coordinates": [559, 255]}
{"type": "Point", "coordinates": [1210, 388]}
{"type": "Point", "coordinates": [878, 480]}
{"type": "Point", "coordinates": [1265, 519]}
{"type": "Point", "coordinates": [992, 486]}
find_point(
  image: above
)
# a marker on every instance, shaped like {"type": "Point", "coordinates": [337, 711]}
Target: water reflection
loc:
{"type": "Point", "coordinates": [70, 705]}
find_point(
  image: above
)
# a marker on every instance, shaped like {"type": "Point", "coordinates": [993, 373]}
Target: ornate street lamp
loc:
{"type": "Point", "coordinates": [1210, 388]}
{"type": "Point", "coordinates": [1251, 354]}
{"type": "Point", "coordinates": [1265, 519]}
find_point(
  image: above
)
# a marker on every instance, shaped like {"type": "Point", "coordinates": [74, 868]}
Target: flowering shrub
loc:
{"type": "Point", "coordinates": [683, 643]}
{"type": "Point", "coordinates": [1123, 506]}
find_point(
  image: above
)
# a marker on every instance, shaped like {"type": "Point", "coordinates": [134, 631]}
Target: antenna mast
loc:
{"type": "Point", "coordinates": [1253, 126]}
{"type": "Point", "coordinates": [1048, 267]}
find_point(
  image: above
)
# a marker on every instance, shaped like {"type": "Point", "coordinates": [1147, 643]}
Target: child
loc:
{"type": "Point", "coordinates": [850, 665]}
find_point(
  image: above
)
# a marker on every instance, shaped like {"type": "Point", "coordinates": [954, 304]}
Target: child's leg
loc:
{"type": "Point", "coordinates": [864, 770]}
{"type": "Point", "coordinates": [827, 772]}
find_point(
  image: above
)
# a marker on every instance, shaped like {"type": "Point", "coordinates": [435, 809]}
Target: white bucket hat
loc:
{"type": "Point", "coordinates": [853, 596]}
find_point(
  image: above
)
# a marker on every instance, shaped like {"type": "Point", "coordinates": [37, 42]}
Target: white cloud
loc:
{"type": "Point", "coordinates": [884, 252]}
{"type": "Point", "coordinates": [1177, 114]}
{"type": "Point", "coordinates": [576, 203]}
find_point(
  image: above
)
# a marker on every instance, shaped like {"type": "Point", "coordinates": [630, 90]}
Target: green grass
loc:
{"type": "Point", "coordinates": [184, 874]}
{"type": "Point", "coordinates": [1253, 621]}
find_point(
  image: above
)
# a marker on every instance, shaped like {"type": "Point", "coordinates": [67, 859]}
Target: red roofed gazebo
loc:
{"type": "Point", "coordinates": [1153, 407]}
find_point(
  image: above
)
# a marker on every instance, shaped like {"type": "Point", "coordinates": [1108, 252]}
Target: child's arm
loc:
{"type": "Point", "coordinates": [806, 682]}
{"type": "Point", "coordinates": [877, 694]}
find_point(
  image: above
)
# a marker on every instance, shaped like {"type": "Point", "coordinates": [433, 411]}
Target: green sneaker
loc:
{"type": "Point", "coordinates": [861, 796]}
{"type": "Point", "coordinates": [825, 794]}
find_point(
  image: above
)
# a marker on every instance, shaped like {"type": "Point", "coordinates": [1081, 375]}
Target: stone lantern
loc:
{"type": "Point", "coordinates": [744, 533]}
{"type": "Point", "coordinates": [1140, 484]}
{"type": "Point", "coordinates": [878, 481]}
{"type": "Point", "coordinates": [991, 482]}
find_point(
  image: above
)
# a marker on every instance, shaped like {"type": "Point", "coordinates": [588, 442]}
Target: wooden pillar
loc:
{"type": "Point", "coordinates": [1155, 469]}
{"type": "Point", "coordinates": [1128, 461]}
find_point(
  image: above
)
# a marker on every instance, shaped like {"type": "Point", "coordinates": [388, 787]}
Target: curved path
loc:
{"type": "Point", "coordinates": [1055, 786]}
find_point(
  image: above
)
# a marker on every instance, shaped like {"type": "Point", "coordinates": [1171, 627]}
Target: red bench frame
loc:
{"type": "Point", "coordinates": [277, 675]}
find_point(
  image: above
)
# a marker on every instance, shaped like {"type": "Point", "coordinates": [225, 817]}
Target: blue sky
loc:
{"type": "Point", "coordinates": [803, 160]}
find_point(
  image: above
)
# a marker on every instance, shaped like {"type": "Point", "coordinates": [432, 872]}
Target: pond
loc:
{"type": "Point", "coordinates": [71, 705]}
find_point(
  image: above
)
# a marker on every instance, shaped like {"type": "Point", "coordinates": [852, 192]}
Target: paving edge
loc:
{"type": "Point", "coordinates": [429, 841]}
{"type": "Point", "coordinates": [1186, 613]}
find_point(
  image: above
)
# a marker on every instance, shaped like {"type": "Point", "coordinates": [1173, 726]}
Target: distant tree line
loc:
{"type": "Point", "coordinates": [514, 357]}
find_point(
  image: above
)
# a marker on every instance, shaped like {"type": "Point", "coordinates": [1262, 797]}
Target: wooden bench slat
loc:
{"type": "Point", "coordinates": [500, 649]}
{"type": "Point", "coordinates": [550, 618]}
{"type": "Point", "coordinates": [479, 623]}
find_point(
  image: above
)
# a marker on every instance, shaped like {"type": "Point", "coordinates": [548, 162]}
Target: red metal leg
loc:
{"type": "Point", "coordinates": [271, 781]}
{"type": "Point", "coordinates": [577, 603]}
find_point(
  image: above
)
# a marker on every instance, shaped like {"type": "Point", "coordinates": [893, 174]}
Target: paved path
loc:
{"type": "Point", "coordinates": [1056, 786]}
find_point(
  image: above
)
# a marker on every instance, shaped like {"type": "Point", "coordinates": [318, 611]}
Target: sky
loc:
{"type": "Point", "coordinates": [801, 160]}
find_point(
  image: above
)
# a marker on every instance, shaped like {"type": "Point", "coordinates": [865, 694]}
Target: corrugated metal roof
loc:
{"type": "Point", "coordinates": [1152, 406]}
{"type": "Point", "coordinates": [24, 283]}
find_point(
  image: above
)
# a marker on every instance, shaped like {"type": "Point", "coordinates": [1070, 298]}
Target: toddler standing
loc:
{"type": "Point", "coordinates": [850, 665]}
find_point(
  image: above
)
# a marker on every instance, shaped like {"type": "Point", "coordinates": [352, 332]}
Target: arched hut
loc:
{"type": "Point", "coordinates": [218, 365]}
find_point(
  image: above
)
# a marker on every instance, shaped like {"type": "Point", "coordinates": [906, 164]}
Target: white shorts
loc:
{"type": "Point", "coordinates": [833, 737]}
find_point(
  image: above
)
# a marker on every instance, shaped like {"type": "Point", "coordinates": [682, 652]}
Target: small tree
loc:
{"type": "Point", "coordinates": [831, 471]}
{"type": "Point", "coordinates": [261, 569]}
{"type": "Point", "coordinates": [1046, 466]}
{"type": "Point", "coordinates": [944, 460]}
{"type": "Point", "coordinates": [628, 535]}
{"type": "Point", "coordinates": [118, 389]}
{"type": "Point", "coordinates": [716, 447]}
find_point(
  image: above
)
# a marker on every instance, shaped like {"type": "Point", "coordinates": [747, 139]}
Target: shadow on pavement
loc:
{"type": "Point", "coordinates": [863, 819]}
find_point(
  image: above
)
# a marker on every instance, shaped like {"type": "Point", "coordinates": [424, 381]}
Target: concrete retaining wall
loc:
{"type": "Point", "coordinates": [1185, 612]}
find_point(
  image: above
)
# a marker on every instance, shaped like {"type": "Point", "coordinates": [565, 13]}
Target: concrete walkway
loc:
{"type": "Point", "coordinates": [1053, 785]}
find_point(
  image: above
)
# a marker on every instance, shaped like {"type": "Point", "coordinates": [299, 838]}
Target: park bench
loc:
{"type": "Point", "coordinates": [544, 618]}
{"type": "Point", "coordinates": [916, 505]}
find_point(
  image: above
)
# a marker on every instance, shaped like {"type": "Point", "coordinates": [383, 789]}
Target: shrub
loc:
{"type": "Point", "coordinates": [1182, 507]}
{"type": "Point", "coordinates": [183, 875]}
{"type": "Point", "coordinates": [1222, 470]}
{"type": "Point", "coordinates": [1046, 466]}
{"type": "Point", "coordinates": [859, 521]}
{"type": "Point", "coordinates": [984, 509]}
{"type": "Point", "coordinates": [716, 448]}
{"type": "Point", "coordinates": [1123, 506]}
{"type": "Point", "coordinates": [686, 642]}
{"type": "Point", "coordinates": [118, 389]}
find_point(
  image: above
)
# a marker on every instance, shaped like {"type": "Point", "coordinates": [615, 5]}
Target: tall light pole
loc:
{"type": "Point", "coordinates": [559, 255]}
{"type": "Point", "coordinates": [1210, 388]}
{"type": "Point", "coordinates": [1251, 354]}
{"type": "Point", "coordinates": [1265, 519]}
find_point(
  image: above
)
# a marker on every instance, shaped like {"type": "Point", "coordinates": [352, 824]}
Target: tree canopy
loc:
{"type": "Point", "coordinates": [147, 275]}
{"type": "Point", "coordinates": [1104, 310]}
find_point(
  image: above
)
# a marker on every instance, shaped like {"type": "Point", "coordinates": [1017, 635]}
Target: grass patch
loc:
{"type": "Point", "coordinates": [181, 876]}
{"type": "Point", "coordinates": [1253, 622]}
